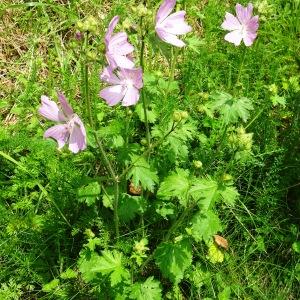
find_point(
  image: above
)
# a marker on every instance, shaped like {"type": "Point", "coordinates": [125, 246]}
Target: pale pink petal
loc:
{"type": "Point", "coordinates": [249, 38]}
{"type": "Point", "coordinates": [66, 107]}
{"type": "Point", "coordinates": [58, 132]}
{"type": "Point", "coordinates": [244, 13]}
{"type": "Point", "coordinates": [109, 77]}
{"type": "Point", "coordinates": [112, 94]}
{"type": "Point", "coordinates": [131, 96]}
{"type": "Point", "coordinates": [118, 38]}
{"type": "Point", "coordinates": [175, 23]}
{"type": "Point", "coordinates": [50, 110]}
{"type": "Point", "coordinates": [123, 61]}
{"type": "Point", "coordinates": [234, 37]}
{"type": "Point", "coordinates": [113, 23]}
{"type": "Point", "coordinates": [164, 10]}
{"type": "Point", "coordinates": [252, 24]}
{"type": "Point", "coordinates": [169, 38]}
{"type": "Point", "coordinates": [77, 139]}
{"type": "Point", "coordinates": [231, 22]}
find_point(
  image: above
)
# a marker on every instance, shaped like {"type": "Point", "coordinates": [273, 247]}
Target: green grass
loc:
{"type": "Point", "coordinates": [43, 224]}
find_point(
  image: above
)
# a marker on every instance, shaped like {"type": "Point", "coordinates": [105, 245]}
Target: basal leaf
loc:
{"type": "Point", "coordinates": [174, 259]}
{"type": "Point", "coordinates": [148, 290]}
{"type": "Point", "coordinates": [141, 174]}
{"type": "Point", "coordinates": [205, 225]}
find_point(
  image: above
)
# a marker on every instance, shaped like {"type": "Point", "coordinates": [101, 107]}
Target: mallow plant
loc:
{"type": "Point", "coordinates": [158, 202]}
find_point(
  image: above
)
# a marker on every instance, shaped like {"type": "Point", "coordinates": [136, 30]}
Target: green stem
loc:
{"type": "Point", "coordinates": [148, 151]}
{"type": "Point", "coordinates": [241, 68]}
{"type": "Point", "coordinates": [107, 163]}
{"type": "Point", "coordinates": [142, 63]}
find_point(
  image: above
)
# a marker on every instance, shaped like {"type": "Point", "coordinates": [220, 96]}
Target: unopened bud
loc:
{"type": "Point", "coordinates": [184, 114]}
{"type": "Point", "coordinates": [227, 177]}
{"type": "Point", "coordinates": [198, 164]}
{"type": "Point", "coordinates": [144, 141]}
{"type": "Point", "coordinates": [92, 55]}
{"type": "Point", "coordinates": [177, 116]}
{"type": "Point", "coordinates": [80, 25]}
{"type": "Point", "coordinates": [126, 24]}
{"type": "Point", "coordinates": [89, 233]}
{"type": "Point", "coordinates": [142, 10]}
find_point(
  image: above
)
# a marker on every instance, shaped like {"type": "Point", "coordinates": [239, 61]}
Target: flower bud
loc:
{"type": "Point", "coordinates": [197, 164]}
{"type": "Point", "coordinates": [184, 115]}
{"type": "Point", "coordinates": [177, 116]}
{"type": "Point", "coordinates": [89, 233]}
{"type": "Point", "coordinates": [227, 177]}
{"type": "Point", "coordinates": [144, 141]}
{"type": "Point", "coordinates": [126, 24]}
{"type": "Point", "coordinates": [80, 25]}
{"type": "Point", "coordinates": [78, 35]}
{"type": "Point", "coordinates": [142, 10]}
{"type": "Point", "coordinates": [91, 24]}
{"type": "Point", "coordinates": [91, 55]}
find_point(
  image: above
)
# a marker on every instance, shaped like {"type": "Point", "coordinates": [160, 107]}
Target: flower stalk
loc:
{"type": "Point", "coordinates": [107, 163]}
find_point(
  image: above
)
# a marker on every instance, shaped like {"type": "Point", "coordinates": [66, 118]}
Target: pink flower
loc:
{"type": "Point", "coordinates": [123, 87]}
{"type": "Point", "coordinates": [244, 27]}
{"type": "Point", "coordinates": [118, 49]}
{"type": "Point", "coordinates": [70, 130]}
{"type": "Point", "coordinates": [169, 26]}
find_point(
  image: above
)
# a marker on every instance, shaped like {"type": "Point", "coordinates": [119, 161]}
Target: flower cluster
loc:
{"type": "Point", "coordinates": [123, 78]}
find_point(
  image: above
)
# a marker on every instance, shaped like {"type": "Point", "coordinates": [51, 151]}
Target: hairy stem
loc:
{"type": "Point", "coordinates": [107, 163]}
{"type": "Point", "coordinates": [142, 63]}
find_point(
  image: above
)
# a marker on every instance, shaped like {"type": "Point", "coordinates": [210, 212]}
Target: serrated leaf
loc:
{"type": "Point", "coordinates": [149, 290]}
{"type": "Point", "coordinates": [278, 100]}
{"type": "Point", "coordinates": [174, 259]}
{"type": "Point", "coordinates": [68, 274]}
{"type": "Point", "coordinates": [205, 192]}
{"type": "Point", "coordinates": [175, 185]}
{"type": "Point", "coordinates": [205, 225]}
{"type": "Point", "coordinates": [215, 255]}
{"type": "Point", "coordinates": [151, 115]}
{"type": "Point", "coordinates": [229, 194]}
{"type": "Point", "coordinates": [89, 193]}
{"type": "Point", "coordinates": [110, 263]}
{"type": "Point", "coordinates": [141, 174]}
{"type": "Point", "coordinates": [230, 108]}
{"type": "Point", "coordinates": [53, 284]}
{"type": "Point", "coordinates": [130, 206]}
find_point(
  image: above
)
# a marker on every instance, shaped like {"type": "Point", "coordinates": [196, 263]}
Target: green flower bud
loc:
{"type": "Point", "coordinates": [227, 177]}
{"type": "Point", "coordinates": [80, 25]}
{"type": "Point", "coordinates": [92, 55]}
{"type": "Point", "coordinates": [142, 10]}
{"type": "Point", "coordinates": [126, 24]}
{"type": "Point", "coordinates": [177, 116]}
{"type": "Point", "coordinates": [89, 233]}
{"type": "Point", "coordinates": [144, 141]}
{"type": "Point", "coordinates": [184, 115]}
{"type": "Point", "coordinates": [197, 164]}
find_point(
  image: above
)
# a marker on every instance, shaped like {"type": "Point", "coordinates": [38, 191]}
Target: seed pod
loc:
{"type": "Point", "coordinates": [134, 190]}
{"type": "Point", "coordinates": [220, 241]}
